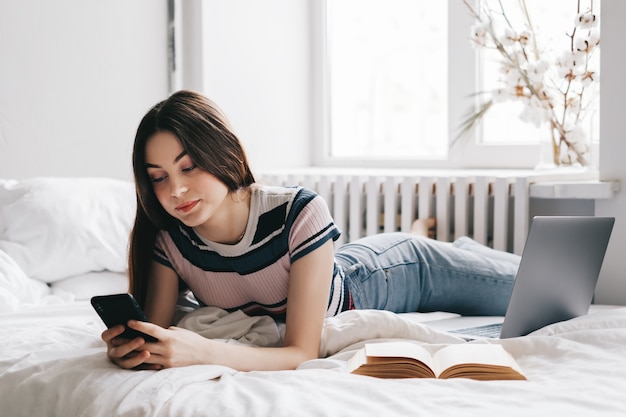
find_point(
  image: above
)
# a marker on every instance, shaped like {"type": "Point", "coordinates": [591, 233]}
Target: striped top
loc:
{"type": "Point", "coordinates": [285, 224]}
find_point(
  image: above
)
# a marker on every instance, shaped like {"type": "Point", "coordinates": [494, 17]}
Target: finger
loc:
{"type": "Point", "coordinates": [148, 367]}
{"type": "Point", "coordinates": [147, 328]}
{"type": "Point", "coordinates": [111, 337]}
{"type": "Point", "coordinates": [126, 349]}
{"type": "Point", "coordinates": [112, 333]}
{"type": "Point", "coordinates": [118, 341]}
{"type": "Point", "coordinates": [136, 360]}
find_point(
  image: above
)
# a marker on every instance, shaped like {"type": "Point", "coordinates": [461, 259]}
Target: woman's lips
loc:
{"type": "Point", "coordinates": [187, 206]}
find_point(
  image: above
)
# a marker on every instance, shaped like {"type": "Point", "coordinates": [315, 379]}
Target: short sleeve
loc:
{"type": "Point", "coordinates": [312, 224]}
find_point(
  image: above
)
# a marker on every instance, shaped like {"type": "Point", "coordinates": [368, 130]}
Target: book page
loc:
{"type": "Point", "coordinates": [468, 353]}
{"type": "Point", "coordinates": [399, 350]}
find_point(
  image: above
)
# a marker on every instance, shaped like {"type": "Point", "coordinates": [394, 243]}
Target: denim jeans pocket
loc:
{"type": "Point", "coordinates": [369, 288]}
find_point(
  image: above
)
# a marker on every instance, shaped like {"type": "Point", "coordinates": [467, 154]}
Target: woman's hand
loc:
{"type": "Point", "coordinates": [175, 347]}
{"type": "Point", "coordinates": [126, 353]}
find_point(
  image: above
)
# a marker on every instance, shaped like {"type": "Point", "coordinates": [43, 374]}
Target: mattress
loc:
{"type": "Point", "coordinates": [53, 363]}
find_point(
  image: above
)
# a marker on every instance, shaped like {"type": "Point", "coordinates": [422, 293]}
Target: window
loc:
{"type": "Point", "coordinates": [400, 76]}
{"type": "Point", "coordinates": [387, 99]}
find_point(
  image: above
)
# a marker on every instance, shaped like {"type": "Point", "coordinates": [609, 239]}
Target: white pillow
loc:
{"type": "Point", "coordinates": [59, 227]}
{"type": "Point", "coordinates": [85, 286]}
{"type": "Point", "coordinates": [16, 288]}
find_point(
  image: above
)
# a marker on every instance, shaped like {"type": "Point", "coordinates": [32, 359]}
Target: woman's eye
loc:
{"type": "Point", "coordinates": [157, 179]}
{"type": "Point", "coordinates": [189, 168]}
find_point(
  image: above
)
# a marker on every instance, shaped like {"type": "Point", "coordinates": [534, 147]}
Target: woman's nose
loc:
{"type": "Point", "coordinates": [178, 189]}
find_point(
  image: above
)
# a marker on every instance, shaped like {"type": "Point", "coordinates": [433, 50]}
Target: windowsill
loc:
{"type": "Point", "coordinates": [575, 189]}
{"type": "Point", "coordinates": [560, 183]}
{"type": "Point", "coordinates": [555, 174]}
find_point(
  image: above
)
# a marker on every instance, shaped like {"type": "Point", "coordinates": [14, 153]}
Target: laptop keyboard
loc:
{"type": "Point", "coordinates": [488, 330]}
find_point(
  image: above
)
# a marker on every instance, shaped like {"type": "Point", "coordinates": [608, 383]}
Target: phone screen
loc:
{"type": "Point", "coordinates": [118, 309]}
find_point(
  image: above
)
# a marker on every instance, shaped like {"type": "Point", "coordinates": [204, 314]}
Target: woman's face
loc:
{"type": "Point", "coordinates": [185, 191]}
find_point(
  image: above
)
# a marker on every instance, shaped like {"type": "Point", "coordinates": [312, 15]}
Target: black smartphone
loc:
{"type": "Point", "coordinates": [118, 309]}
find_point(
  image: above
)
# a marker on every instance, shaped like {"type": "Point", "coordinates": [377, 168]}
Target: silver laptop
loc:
{"type": "Point", "coordinates": [555, 281]}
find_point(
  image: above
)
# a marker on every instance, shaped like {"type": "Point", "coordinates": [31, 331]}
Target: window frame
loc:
{"type": "Point", "coordinates": [463, 82]}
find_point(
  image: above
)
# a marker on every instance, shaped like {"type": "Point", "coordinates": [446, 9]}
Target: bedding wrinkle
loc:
{"type": "Point", "coordinates": [52, 363]}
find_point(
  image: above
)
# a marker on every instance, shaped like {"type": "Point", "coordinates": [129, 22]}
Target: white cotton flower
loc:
{"type": "Point", "coordinates": [528, 115]}
{"type": "Point", "coordinates": [499, 95]}
{"type": "Point", "coordinates": [586, 20]}
{"type": "Point", "coordinates": [521, 91]}
{"type": "Point", "coordinates": [576, 134]}
{"type": "Point", "coordinates": [511, 76]}
{"type": "Point", "coordinates": [568, 60]}
{"type": "Point", "coordinates": [509, 37]}
{"type": "Point", "coordinates": [543, 103]}
{"type": "Point", "coordinates": [564, 154]}
{"type": "Point", "coordinates": [536, 70]}
{"type": "Point", "coordinates": [567, 73]}
{"type": "Point", "coordinates": [516, 55]}
{"type": "Point", "coordinates": [546, 113]}
{"type": "Point", "coordinates": [545, 95]}
{"type": "Point", "coordinates": [534, 115]}
{"type": "Point", "coordinates": [582, 45]}
{"type": "Point", "coordinates": [573, 103]}
{"type": "Point", "coordinates": [561, 70]}
{"type": "Point", "coordinates": [586, 44]}
{"type": "Point", "coordinates": [478, 34]}
{"type": "Point", "coordinates": [579, 58]}
{"type": "Point", "coordinates": [541, 65]}
{"type": "Point", "coordinates": [567, 65]}
{"type": "Point", "coordinates": [525, 37]}
{"type": "Point", "coordinates": [593, 37]}
{"type": "Point", "coordinates": [568, 155]}
{"type": "Point", "coordinates": [587, 78]}
{"type": "Point", "coordinates": [505, 67]}
{"type": "Point", "coordinates": [582, 147]}
{"type": "Point", "coordinates": [571, 156]}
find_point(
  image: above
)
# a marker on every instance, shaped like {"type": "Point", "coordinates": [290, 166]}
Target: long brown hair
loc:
{"type": "Point", "coordinates": [206, 136]}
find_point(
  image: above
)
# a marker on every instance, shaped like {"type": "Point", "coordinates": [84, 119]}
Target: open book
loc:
{"type": "Point", "coordinates": [409, 360]}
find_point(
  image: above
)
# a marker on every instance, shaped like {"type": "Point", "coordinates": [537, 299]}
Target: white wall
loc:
{"type": "Point", "coordinates": [259, 71]}
{"type": "Point", "coordinates": [612, 286]}
{"type": "Point", "coordinates": [76, 76]}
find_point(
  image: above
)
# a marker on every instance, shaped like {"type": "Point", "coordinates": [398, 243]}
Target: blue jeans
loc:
{"type": "Point", "coordinates": [402, 272]}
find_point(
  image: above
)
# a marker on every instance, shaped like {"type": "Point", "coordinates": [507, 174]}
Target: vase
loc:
{"type": "Point", "coordinates": [555, 151]}
{"type": "Point", "coordinates": [548, 157]}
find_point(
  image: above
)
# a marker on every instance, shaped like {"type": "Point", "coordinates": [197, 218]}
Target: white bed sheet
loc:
{"type": "Point", "coordinates": [52, 363]}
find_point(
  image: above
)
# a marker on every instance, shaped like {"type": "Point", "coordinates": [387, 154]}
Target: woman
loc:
{"type": "Point", "coordinates": [203, 223]}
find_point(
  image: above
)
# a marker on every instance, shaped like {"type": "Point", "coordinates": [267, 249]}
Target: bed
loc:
{"type": "Point", "coordinates": [63, 240]}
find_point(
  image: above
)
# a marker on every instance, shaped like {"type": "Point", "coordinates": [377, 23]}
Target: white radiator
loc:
{"type": "Point", "coordinates": [492, 210]}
